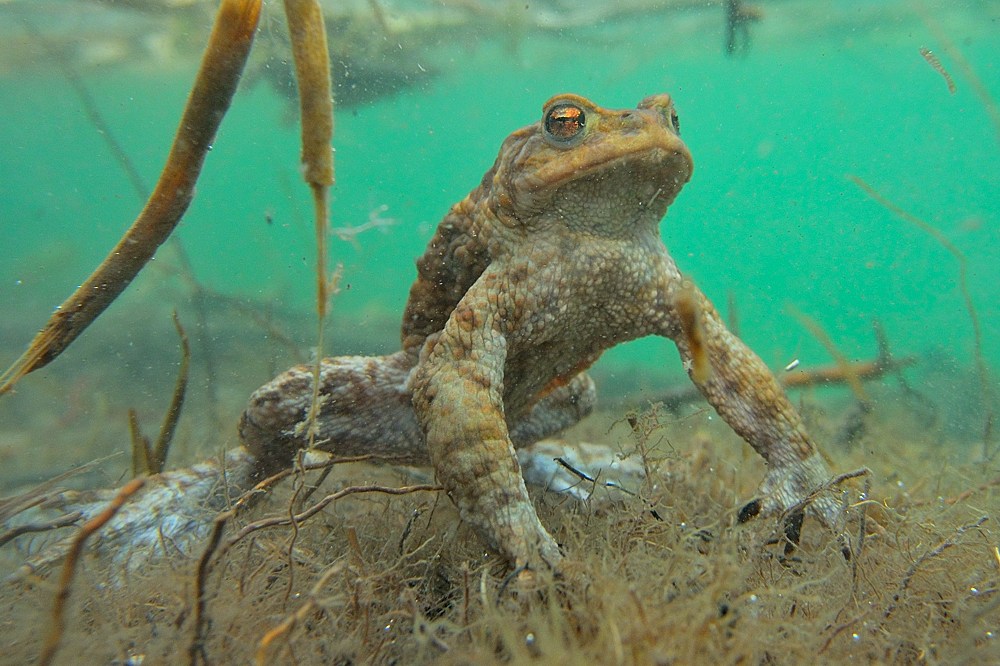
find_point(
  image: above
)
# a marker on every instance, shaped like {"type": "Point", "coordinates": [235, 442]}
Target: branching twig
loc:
{"type": "Point", "coordinates": [216, 546]}
{"type": "Point", "coordinates": [277, 521]}
{"type": "Point", "coordinates": [845, 367]}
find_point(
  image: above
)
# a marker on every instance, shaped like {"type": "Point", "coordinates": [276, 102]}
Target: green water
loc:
{"type": "Point", "coordinates": [769, 217]}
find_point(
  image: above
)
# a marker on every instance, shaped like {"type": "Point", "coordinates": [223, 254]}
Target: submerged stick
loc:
{"type": "Point", "coordinates": [845, 368]}
{"type": "Point", "coordinates": [935, 63]}
{"type": "Point", "coordinates": [828, 375]}
{"type": "Point", "coordinates": [312, 71]}
{"type": "Point", "coordinates": [214, 87]}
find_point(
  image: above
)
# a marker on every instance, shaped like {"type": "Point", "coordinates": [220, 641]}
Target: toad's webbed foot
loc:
{"type": "Point", "coordinates": [789, 490]}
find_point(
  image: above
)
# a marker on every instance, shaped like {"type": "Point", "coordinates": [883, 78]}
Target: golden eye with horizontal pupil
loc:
{"type": "Point", "coordinates": [565, 122]}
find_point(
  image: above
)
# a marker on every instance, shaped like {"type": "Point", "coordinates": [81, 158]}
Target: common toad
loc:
{"type": "Point", "coordinates": [555, 257]}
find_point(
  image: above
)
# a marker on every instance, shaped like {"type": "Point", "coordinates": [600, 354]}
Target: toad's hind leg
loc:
{"type": "Point", "coordinates": [367, 410]}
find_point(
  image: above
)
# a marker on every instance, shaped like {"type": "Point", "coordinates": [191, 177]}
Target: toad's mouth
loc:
{"type": "Point", "coordinates": [647, 178]}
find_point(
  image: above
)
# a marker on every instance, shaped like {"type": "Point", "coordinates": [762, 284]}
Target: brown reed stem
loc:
{"type": "Point", "coordinates": [214, 87]}
{"type": "Point", "coordinates": [312, 71]}
{"type": "Point", "coordinates": [69, 568]}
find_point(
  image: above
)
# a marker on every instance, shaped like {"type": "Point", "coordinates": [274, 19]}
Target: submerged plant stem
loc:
{"type": "Point", "coordinates": [214, 87]}
{"type": "Point", "coordinates": [312, 71]}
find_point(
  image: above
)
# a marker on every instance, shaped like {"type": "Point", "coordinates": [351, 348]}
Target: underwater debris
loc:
{"type": "Point", "coordinates": [927, 555]}
{"type": "Point", "coordinates": [883, 364]}
{"type": "Point", "coordinates": [739, 16]}
{"type": "Point", "coordinates": [934, 62]}
{"type": "Point", "coordinates": [968, 71]}
{"type": "Point", "coordinates": [375, 221]}
{"type": "Point", "coordinates": [847, 369]}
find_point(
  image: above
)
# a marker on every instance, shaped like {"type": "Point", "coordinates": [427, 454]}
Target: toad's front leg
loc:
{"type": "Point", "coordinates": [747, 396]}
{"type": "Point", "coordinates": [458, 399]}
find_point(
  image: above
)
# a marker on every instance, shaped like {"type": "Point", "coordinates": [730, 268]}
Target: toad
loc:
{"type": "Point", "coordinates": [555, 257]}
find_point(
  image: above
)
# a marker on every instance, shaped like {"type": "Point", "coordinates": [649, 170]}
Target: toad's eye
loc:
{"type": "Point", "coordinates": [565, 122]}
{"type": "Point", "coordinates": [675, 121]}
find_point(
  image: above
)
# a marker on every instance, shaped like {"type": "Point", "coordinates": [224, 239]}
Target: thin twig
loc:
{"type": "Point", "coordinates": [69, 567]}
{"type": "Point", "coordinates": [289, 623]}
{"type": "Point", "coordinates": [277, 521]}
{"type": "Point", "coordinates": [29, 528]}
{"type": "Point", "coordinates": [197, 647]}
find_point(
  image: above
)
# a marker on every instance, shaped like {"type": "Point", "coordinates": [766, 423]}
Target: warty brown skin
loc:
{"type": "Point", "coordinates": [553, 259]}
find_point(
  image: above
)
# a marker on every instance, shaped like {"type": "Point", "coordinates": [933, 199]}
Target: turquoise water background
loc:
{"type": "Point", "coordinates": [769, 217]}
